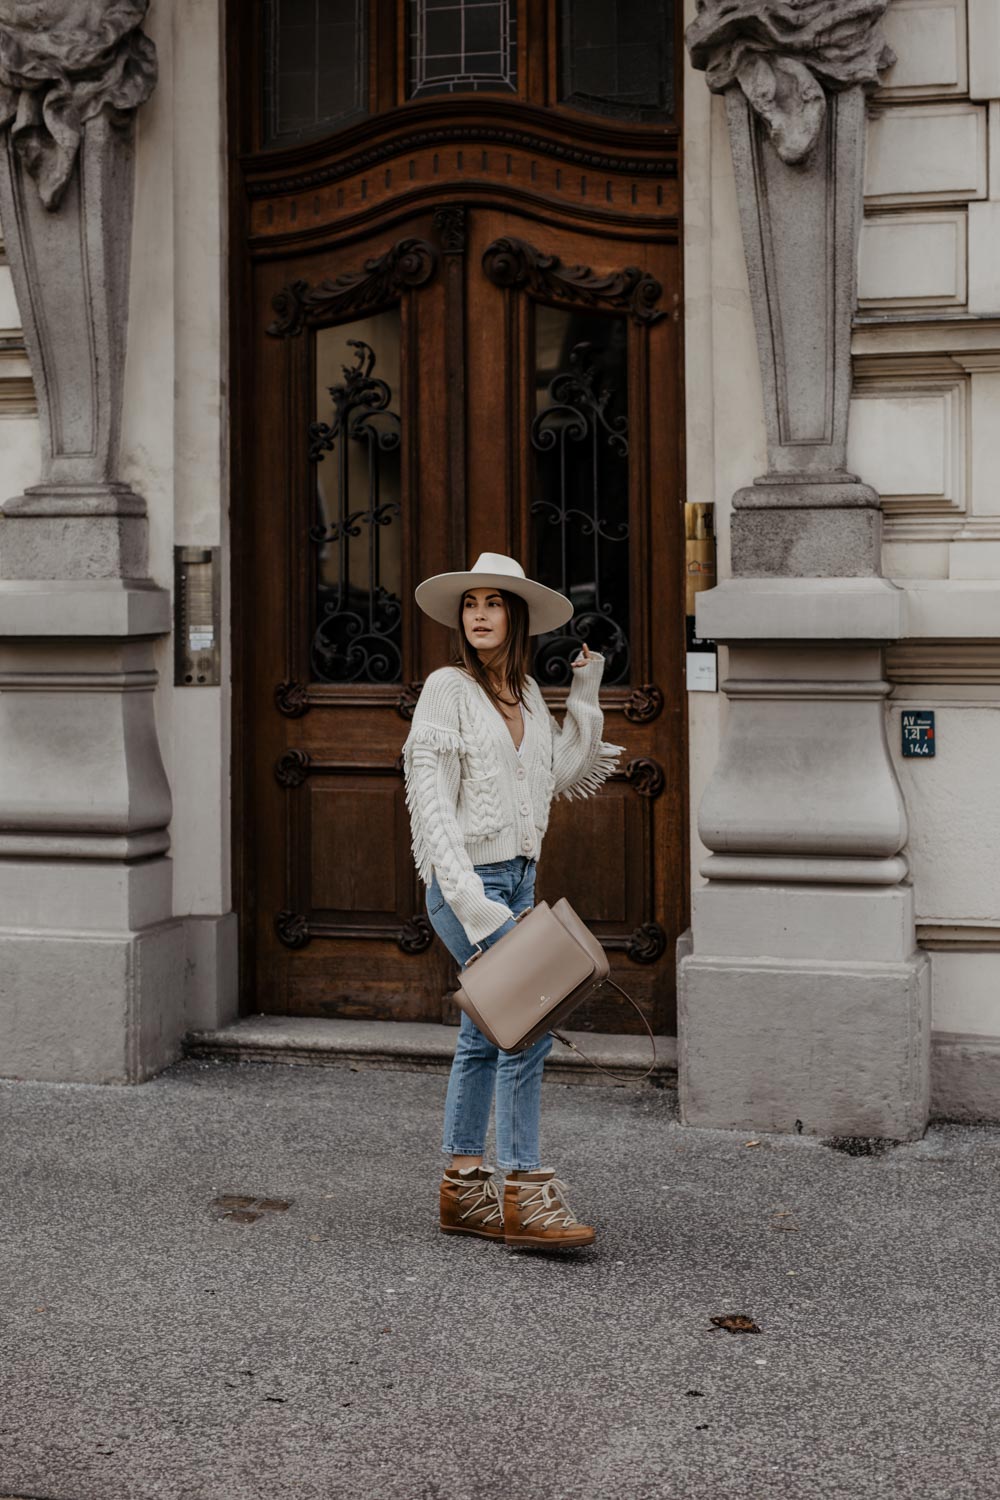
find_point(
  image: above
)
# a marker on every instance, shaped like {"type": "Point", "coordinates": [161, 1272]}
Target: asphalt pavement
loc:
{"type": "Point", "coordinates": [313, 1336]}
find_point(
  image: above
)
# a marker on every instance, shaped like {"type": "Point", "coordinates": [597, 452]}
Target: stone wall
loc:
{"type": "Point", "coordinates": [926, 428]}
{"type": "Point", "coordinates": [173, 452]}
{"type": "Point", "coordinates": [924, 431]}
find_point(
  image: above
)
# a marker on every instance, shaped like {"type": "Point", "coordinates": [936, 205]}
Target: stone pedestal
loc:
{"type": "Point", "coordinates": [91, 957]}
{"type": "Point", "coordinates": [820, 1047]}
{"type": "Point", "coordinates": [804, 1003]}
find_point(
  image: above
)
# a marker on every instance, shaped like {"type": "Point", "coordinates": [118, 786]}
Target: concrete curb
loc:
{"type": "Point", "coordinates": [412, 1046]}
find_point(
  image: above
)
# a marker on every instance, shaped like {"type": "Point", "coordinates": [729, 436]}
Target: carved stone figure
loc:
{"type": "Point", "coordinates": [782, 54]}
{"type": "Point", "coordinates": [794, 74]}
{"type": "Point", "coordinates": [61, 63]}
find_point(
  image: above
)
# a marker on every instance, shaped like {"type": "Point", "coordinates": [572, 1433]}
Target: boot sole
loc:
{"type": "Point", "coordinates": [536, 1242]}
{"type": "Point", "coordinates": [479, 1234]}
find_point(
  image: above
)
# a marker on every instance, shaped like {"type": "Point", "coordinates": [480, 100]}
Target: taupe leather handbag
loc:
{"type": "Point", "coordinates": [534, 977]}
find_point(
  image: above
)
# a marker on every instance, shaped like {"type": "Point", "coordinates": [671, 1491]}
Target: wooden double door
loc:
{"type": "Point", "coordinates": [460, 375]}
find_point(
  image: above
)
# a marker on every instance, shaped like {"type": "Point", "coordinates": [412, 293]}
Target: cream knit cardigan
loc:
{"type": "Point", "coordinates": [474, 800]}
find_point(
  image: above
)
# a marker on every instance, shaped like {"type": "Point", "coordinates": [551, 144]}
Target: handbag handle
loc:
{"type": "Point", "coordinates": [589, 1061]}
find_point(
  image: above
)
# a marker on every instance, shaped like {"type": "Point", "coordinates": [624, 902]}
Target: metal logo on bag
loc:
{"type": "Point", "coordinates": [545, 1000]}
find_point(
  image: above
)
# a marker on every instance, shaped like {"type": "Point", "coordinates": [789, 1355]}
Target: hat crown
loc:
{"type": "Point", "coordinates": [496, 562]}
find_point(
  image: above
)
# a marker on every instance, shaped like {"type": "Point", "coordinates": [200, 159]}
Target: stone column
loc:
{"type": "Point", "coordinates": [91, 961]}
{"type": "Point", "coordinates": [804, 1002]}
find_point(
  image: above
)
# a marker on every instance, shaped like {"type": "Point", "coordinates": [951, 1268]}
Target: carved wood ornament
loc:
{"type": "Point", "coordinates": [291, 699]}
{"type": "Point", "coordinates": [647, 944]}
{"type": "Point", "coordinates": [450, 223]}
{"type": "Point", "coordinates": [496, 138]}
{"type": "Point", "coordinates": [407, 700]}
{"type": "Point", "coordinates": [292, 768]}
{"type": "Point", "coordinates": [295, 931]}
{"type": "Point", "coordinates": [645, 776]}
{"type": "Point", "coordinates": [644, 704]}
{"type": "Point", "coordinates": [510, 262]}
{"type": "Point", "coordinates": [409, 263]}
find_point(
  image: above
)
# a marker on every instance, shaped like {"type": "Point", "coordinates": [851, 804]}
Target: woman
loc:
{"type": "Point", "coordinates": [483, 761]}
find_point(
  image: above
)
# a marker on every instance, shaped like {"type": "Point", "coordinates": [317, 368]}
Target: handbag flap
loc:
{"type": "Point", "coordinates": [579, 930]}
{"type": "Point", "coordinates": [517, 979]}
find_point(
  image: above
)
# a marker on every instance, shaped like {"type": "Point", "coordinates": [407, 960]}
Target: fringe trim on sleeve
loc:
{"type": "Point", "coordinates": [604, 764]}
{"type": "Point", "coordinates": [444, 741]}
{"type": "Point", "coordinates": [418, 845]}
{"type": "Point", "coordinates": [433, 735]}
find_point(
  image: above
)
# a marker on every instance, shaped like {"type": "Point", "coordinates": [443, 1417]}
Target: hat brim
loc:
{"type": "Point", "coordinates": [441, 595]}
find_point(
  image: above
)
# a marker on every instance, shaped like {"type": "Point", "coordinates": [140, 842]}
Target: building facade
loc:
{"type": "Point", "coordinates": [303, 302]}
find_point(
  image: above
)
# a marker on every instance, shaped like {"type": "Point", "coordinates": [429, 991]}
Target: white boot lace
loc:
{"type": "Point", "coordinates": [483, 1195]}
{"type": "Point", "coordinates": [548, 1199]}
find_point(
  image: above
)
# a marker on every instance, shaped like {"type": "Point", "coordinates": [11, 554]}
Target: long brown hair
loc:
{"type": "Point", "coordinates": [512, 659]}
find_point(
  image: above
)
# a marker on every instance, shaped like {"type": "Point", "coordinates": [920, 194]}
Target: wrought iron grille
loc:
{"type": "Point", "coordinates": [357, 635]}
{"type": "Point", "coordinates": [462, 46]}
{"type": "Point", "coordinates": [580, 505]}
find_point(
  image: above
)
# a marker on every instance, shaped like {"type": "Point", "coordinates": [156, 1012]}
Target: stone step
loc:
{"type": "Point", "coordinates": [417, 1046]}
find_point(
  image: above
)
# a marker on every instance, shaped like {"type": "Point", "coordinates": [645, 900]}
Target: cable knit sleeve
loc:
{"type": "Point", "coordinates": [581, 761]}
{"type": "Point", "coordinates": [433, 774]}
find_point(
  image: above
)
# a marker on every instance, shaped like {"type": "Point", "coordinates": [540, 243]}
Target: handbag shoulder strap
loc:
{"type": "Point", "coordinates": [589, 1061]}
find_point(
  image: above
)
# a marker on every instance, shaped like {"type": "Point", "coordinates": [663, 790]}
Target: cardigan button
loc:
{"type": "Point", "coordinates": [521, 773]}
{"type": "Point", "coordinates": [526, 846]}
{"type": "Point", "coordinates": [525, 808]}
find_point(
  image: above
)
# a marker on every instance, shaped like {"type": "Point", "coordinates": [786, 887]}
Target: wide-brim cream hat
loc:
{"type": "Point", "coordinates": [441, 595]}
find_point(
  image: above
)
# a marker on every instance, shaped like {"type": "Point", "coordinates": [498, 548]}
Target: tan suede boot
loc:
{"type": "Point", "coordinates": [470, 1203]}
{"type": "Point", "coordinates": [537, 1216]}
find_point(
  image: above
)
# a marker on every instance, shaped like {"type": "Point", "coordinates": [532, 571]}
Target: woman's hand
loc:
{"type": "Point", "coordinates": [586, 655]}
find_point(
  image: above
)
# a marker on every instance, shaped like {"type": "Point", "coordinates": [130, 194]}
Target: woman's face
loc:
{"type": "Point", "coordinates": [484, 619]}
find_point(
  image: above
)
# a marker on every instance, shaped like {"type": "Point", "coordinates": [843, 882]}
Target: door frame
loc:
{"type": "Point", "coordinates": [243, 60]}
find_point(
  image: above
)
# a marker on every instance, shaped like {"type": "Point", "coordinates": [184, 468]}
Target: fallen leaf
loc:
{"type": "Point", "coordinates": [751, 1143]}
{"type": "Point", "coordinates": [735, 1323]}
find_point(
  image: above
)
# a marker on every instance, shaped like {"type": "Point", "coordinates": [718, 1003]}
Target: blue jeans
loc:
{"type": "Point", "coordinates": [481, 1071]}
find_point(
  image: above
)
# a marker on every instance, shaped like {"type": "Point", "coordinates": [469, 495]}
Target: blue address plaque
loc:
{"type": "Point", "coordinates": [918, 732]}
